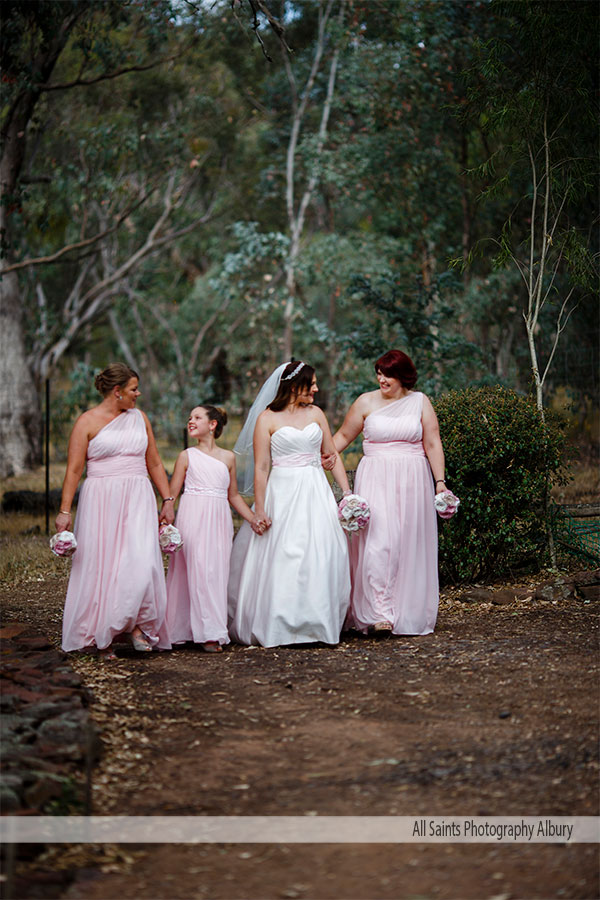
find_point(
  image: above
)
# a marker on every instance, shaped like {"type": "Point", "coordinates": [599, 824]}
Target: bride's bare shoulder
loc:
{"type": "Point", "coordinates": [266, 420]}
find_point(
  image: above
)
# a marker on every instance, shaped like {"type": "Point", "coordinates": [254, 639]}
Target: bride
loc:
{"type": "Point", "coordinates": [291, 584]}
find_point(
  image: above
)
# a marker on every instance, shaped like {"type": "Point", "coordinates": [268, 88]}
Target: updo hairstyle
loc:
{"type": "Point", "coordinates": [289, 387]}
{"type": "Point", "coordinates": [115, 375]}
{"type": "Point", "coordinates": [215, 414]}
{"type": "Point", "coordinates": [396, 364]}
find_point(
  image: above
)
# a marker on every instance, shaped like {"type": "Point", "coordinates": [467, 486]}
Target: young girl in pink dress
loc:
{"type": "Point", "coordinates": [198, 573]}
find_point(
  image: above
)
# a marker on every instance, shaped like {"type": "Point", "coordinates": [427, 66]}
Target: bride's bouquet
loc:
{"type": "Point", "coordinates": [169, 539]}
{"type": "Point", "coordinates": [446, 504]}
{"type": "Point", "coordinates": [63, 543]}
{"type": "Point", "coordinates": [353, 513]}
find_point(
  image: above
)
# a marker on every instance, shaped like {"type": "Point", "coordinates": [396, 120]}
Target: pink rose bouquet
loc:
{"type": "Point", "coordinates": [353, 513]}
{"type": "Point", "coordinates": [169, 539]}
{"type": "Point", "coordinates": [63, 543]}
{"type": "Point", "coordinates": [446, 504]}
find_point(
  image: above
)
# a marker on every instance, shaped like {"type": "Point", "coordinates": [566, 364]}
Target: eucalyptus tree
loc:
{"type": "Point", "coordinates": [102, 166]}
{"type": "Point", "coordinates": [534, 87]}
{"type": "Point", "coordinates": [49, 50]}
{"type": "Point", "coordinates": [394, 170]}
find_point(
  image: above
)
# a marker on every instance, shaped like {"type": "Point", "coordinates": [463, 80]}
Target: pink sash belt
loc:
{"type": "Point", "coordinates": [393, 448]}
{"type": "Point", "coordinates": [293, 460]}
{"type": "Point", "coordinates": [117, 466]}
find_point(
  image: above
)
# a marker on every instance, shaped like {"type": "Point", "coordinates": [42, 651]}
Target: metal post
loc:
{"type": "Point", "coordinates": [47, 456]}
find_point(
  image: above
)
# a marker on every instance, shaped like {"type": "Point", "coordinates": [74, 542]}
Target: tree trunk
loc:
{"type": "Point", "coordinates": [20, 419]}
{"type": "Point", "coordinates": [296, 216]}
{"type": "Point", "coordinates": [20, 429]}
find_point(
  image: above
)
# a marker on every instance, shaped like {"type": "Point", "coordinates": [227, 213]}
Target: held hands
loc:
{"type": "Point", "coordinates": [167, 513]}
{"type": "Point", "coordinates": [260, 524]}
{"type": "Point", "coordinates": [328, 461]}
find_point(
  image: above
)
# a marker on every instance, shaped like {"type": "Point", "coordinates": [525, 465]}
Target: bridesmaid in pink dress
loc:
{"type": "Point", "coordinates": [394, 559]}
{"type": "Point", "coordinates": [117, 578]}
{"type": "Point", "coordinates": [198, 573]}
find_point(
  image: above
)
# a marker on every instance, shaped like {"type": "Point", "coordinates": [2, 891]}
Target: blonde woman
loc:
{"type": "Point", "coordinates": [117, 583]}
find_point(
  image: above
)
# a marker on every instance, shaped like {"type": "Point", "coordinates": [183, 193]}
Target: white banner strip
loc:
{"type": "Point", "coordinates": [299, 829]}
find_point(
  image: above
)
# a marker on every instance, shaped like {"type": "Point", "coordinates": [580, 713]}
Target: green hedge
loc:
{"type": "Point", "coordinates": [500, 461]}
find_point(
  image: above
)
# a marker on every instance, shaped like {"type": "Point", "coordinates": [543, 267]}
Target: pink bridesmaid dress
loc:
{"type": "Point", "coordinates": [198, 573]}
{"type": "Point", "coordinates": [117, 577]}
{"type": "Point", "coordinates": [394, 559]}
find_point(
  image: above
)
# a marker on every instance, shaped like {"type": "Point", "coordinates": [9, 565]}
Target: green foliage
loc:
{"type": "Point", "coordinates": [67, 404]}
{"type": "Point", "coordinates": [416, 318]}
{"type": "Point", "coordinates": [532, 92]}
{"type": "Point", "coordinates": [501, 461]}
{"type": "Point", "coordinates": [396, 195]}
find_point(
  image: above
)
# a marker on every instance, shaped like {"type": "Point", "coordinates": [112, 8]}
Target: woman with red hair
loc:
{"type": "Point", "coordinates": [394, 559]}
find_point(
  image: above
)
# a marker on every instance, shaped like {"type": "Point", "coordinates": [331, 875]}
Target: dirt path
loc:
{"type": "Point", "coordinates": [494, 714]}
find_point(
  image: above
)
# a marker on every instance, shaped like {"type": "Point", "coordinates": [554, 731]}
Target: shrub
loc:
{"type": "Point", "coordinates": [501, 461]}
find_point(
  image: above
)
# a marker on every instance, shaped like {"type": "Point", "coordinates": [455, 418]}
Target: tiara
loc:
{"type": "Point", "coordinates": [294, 373]}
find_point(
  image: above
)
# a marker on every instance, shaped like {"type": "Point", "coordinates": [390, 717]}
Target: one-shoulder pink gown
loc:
{"type": "Point", "coordinates": [198, 573]}
{"type": "Point", "coordinates": [117, 577]}
{"type": "Point", "coordinates": [394, 559]}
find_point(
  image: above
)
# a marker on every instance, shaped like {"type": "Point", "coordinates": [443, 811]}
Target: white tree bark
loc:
{"type": "Point", "coordinates": [541, 238]}
{"type": "Point", "coordinates": [20, 419]}
{"type": "Point", "coordinates": [297, 214]}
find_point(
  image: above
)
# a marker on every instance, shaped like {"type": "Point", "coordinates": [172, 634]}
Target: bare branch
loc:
{"type": "Point", "coordinates": [164, 323]}
{"type": "Point", "coordinates": [218, 347]}
{"type": "Point", "coordinates": [78, 245]}
{"type": "Point", "coordinates": [299, 113]}
{"type": "Point", "coordinates": [71, 303]}
{"type": "Point", "coordinates": [107, 76]}
{"type": "Point", "coordinates": [275, 24]}
{"type": "Point", "coordinates": [560, 327]}
{"type": "Point", "coordinates": [547, 193]}
{"type": "Point", "coordinates": [532, 231]}
{"type": "Point", "coordinates": [122, 341]}
{"type": "Point", "coordinates": [202, 333]}
{"type": "Point", "coordinates": [83, 308]}
{"type": "Point", "coordinates": [322, 128]}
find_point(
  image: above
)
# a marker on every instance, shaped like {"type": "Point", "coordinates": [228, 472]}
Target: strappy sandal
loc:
{"type": "Point", "coordinates": [107, 654]}
{"type": "Point", "coordinates": [211, 647]}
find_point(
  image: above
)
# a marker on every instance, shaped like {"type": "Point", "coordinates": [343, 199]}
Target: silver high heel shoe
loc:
{"type": "Point", "coordinates": [140, 643]}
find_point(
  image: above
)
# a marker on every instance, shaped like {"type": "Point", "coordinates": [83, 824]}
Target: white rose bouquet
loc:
{"type": "Point", "coordinates": [169, 539]}
{"type": "Point", "coordinates": [63, 543]}
{"type": "Point", "coordinates": [353, 513]}
{"type": "Point", "coordinates": [446, 504]}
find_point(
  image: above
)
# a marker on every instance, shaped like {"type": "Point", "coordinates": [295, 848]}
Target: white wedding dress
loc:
{"type": "Point", "coordinates": [291, 585]}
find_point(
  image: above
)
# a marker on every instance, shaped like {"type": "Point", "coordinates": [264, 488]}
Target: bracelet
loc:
{"type": "Point", "coordinates": [65, 512]}
{"type": "Point", "coordinates": [166, 499]}
{"type": "Point", "coordinates": [441, 481]}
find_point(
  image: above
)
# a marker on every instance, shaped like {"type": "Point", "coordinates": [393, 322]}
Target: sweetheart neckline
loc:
{"type": "Point", "coordinates": [295, 427]}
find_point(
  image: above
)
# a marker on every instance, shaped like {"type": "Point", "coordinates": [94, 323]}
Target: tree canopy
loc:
{"type": "Point", "coordinates": [204, 189]}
